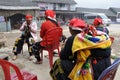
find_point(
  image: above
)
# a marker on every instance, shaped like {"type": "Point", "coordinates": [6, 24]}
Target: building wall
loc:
{"type": "Point", "coordinates": [5, 26]}
{"type": "Point", "coordinates": [50, 6]}
{"type": "Point", "coordinates": [24, 12]}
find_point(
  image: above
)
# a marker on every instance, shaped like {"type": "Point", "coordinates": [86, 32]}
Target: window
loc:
{"type": "Point", "coordinates": [98, 17]}
{"type": "Point", "coordinates": [54, 6]}
{"type": "Point", "coordinates": [91, 17]}
{"type": "Point", "coordinates": [104, 17]}
{"type": "Point", "coordinates": [118, 15]}
{"type": "Point", "coordinates": [61, 5]}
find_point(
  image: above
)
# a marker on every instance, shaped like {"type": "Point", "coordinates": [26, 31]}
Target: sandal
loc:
{"type": "Point", "coordinates": [31, 58]}
{"type": "Point", "coordinates": [38, 62]}
{"type": "Point", "coordinates": [14, 58]}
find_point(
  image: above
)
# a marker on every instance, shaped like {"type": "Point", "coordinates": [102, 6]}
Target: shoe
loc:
{"type": "Point", "coordinates": [38, 62]}
{"type": "Point", "coordinates": [55, 54]}
{"type": "Point", "coordinates": [47, 56]}
{"type": "Point", "coordinates": [14, 58]}
{"type": "Point", "coordinates": [31, 58]}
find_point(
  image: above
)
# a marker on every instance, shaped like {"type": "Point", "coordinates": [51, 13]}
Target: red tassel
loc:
{"type": "Point", "coordinates": [95, 61]}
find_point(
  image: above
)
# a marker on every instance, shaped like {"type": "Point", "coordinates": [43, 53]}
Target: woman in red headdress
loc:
{"type": "Point", "coordinates": [98, 23]}
{"type": "Point", "coordinates": [63, 66]}
{"type": "Point", "coordinates": [50, 23]}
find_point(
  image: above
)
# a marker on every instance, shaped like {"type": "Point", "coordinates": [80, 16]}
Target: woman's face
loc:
{"type": "Point", "coordinates": [70, 30]}
{"type": "Point", "coordinates": [74, 32]}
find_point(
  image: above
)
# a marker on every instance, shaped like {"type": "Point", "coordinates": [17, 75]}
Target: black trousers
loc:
{"type": "Point", "coordinates": [19, 42]}
{"type": "Point", "coordinates": [36, 50]}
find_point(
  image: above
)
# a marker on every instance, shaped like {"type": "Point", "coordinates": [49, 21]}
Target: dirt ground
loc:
{"type": "Point", "coordinates": [42, 70]}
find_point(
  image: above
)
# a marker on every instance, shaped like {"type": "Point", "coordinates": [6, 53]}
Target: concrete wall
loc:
{"type": "Point", "coordinates": [5, 26]}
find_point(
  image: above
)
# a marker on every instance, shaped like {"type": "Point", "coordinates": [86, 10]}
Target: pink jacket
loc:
{"type": "Point", "coordinates": [33, 29]}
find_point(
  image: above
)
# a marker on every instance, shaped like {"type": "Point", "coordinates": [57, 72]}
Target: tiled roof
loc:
{"type": "Point", "coordinates": [18, 4]}
{"type": "Point", "coordinates": [115, 9]}
{"type": "Point", "coordinates": [96, 10]}
{"type": "Point", "coordinates": [58, 1]}
{"type": "Point", "coordinates": [5, 4]}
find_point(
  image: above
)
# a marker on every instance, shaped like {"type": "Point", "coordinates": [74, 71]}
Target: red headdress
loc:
{"type": "Point", "coordinates": [50, 14]}
{"type": "Point", "coordinates": [97, 21]}
{"type": "Point", "coordinates": [77, 24]}
{"type": "Point", "coordinates": [28, 17]}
